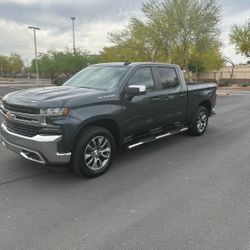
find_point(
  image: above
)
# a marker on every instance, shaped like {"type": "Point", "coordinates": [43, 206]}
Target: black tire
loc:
{"type": "Point", "coordinates": [199, 122]}
{"type": "Point", "coordinates": [89, 148]}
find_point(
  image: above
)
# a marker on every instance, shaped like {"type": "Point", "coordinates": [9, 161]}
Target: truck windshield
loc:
{"type": "Point", "coordinates": [103, 78]}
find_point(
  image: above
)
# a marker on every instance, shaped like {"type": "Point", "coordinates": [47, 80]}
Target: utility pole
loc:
{"type": "Point", "coordinates": [73, 30]}
{"type": "Point", "coordinates": [34, 32]}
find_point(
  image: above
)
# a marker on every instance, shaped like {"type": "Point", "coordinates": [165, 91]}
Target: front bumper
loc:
{"type": "Point", "coordinates": [40, 148]}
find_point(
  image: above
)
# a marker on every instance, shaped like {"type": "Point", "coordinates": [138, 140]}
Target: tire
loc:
{"type": "Point", "coordinates": [93, 153]}
{"type": "Point", "coordinates": [199, 122]}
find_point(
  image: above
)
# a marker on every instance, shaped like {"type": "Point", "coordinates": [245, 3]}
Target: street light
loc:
{"type": "Point", "coordinates": [34, 31]}
{"type": "Point", "coordinates": [27, 68]}
{"type": "Point", "coordinates": [73, 30]}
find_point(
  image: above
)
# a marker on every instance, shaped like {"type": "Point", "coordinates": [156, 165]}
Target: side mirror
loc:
{"type": "Point", "coordinates": [135, 90]}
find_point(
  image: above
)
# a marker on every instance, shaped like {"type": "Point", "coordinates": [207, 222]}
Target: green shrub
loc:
{"type": "Point", "coordinates": [245, 84]}
{"type": "Point", "coordinates": [225, 82]}
{"type": "Point", "coordinates": [208, 80]}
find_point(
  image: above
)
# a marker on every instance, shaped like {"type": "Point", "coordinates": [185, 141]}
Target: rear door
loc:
{"type": "Point", "coordinates": [173, 96]}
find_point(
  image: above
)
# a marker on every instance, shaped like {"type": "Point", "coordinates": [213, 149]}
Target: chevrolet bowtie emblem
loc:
{"type": "Point", "coordinates": [10, 116]}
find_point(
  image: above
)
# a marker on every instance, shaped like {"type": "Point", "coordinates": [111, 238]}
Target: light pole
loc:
{"type": "Point", "coordinates": [73, 30]}
{"type": "Point", "coordinates": [28, 70]}
{"type": "Point", "coordinates": [34, 32]}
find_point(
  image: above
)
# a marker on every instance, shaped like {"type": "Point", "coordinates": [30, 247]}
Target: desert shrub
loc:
{"type": "Point", "coordinates": [245, 84]}
{"type": "Point", "coordinates": [225, 82]}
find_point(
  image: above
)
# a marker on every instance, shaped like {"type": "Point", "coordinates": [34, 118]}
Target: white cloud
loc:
{"type": "Point", "coordinates": [19, 39]}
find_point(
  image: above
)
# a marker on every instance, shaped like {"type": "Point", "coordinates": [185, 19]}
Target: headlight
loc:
{"type": "Point", "coordinates": [4, 97]}
{"type": "Point", "coordinates": [55, 111]}
{"type": "Point", "coordinates": [2, 100]}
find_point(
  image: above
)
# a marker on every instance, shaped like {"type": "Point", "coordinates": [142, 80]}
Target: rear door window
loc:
{"type": "Point", "coordinates": [168, 77]}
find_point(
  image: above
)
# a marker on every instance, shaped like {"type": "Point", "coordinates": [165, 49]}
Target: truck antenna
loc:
{"type": "Point", "coordinates": [127, 62]}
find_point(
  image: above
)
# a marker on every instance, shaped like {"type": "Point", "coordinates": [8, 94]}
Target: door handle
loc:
{"type": "Point", "coordinates": [183, 94]}
{"type": "Point", "coordinates": [156, 99]}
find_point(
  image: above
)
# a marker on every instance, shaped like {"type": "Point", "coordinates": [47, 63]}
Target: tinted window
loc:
{"type": "Point", "coordinates": [168, 77]}
{"type": "Point", "coordinates": [142, 76]}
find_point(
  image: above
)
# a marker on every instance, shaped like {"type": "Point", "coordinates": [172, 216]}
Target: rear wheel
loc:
{"type": "Point", "coordinates": [199, 123]}
{"type": "Point", "coordinates": [94, 152]}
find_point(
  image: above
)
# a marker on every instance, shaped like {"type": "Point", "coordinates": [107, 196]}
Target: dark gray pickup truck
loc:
{"type": "Point", "coordinates": [99, 110]}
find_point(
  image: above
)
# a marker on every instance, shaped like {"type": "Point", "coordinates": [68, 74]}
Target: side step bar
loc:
{"type": "Point", "coordinates": [157, 138]}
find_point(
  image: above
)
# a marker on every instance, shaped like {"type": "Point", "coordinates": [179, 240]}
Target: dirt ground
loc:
{"type": "Point", "coordinates": [235, 87]}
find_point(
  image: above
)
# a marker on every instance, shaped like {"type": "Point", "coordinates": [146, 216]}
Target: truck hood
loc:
{"type": "Point", "coordinates": [58, 96]}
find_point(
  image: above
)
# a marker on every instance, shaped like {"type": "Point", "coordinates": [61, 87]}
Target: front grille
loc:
{"type": "Point", "coordinates": [21, 109]}
{"type": "Point", "coordinates": [22, 129]}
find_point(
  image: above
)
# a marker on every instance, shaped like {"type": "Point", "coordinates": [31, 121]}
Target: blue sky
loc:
{"type": "Point", "coordinates": [94, 19]}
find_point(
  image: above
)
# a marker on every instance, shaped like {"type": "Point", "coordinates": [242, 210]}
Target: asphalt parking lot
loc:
{"type": "Point", "coordinates": [178, 193]}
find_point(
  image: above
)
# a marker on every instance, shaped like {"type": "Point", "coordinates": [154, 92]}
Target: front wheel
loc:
{"type": "Point", "coordinates": [199, 123]}
{"type": "Point", "coordinates": [94, 152]}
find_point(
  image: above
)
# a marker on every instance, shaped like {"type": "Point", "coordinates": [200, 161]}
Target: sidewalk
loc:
{"type": "Point", "coordinates": [224, 92]}
{"type": "Point", "coordinates": [25, 82]}
{"type": "Point", "coordinates": [221, 92]}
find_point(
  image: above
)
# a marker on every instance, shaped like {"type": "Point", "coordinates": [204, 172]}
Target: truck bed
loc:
{"type": "Point", "coordinates": [192, 86]}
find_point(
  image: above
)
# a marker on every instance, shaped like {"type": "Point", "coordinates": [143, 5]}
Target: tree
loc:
{"type": "Point", "coordinates": [48, 65]}
{"type": "Point", "coordinates": [137, 42]}
{"type": "Point", "coordinates": [3, 64]}
{"type": "Point", "coordinates": [11, 65]}
{"type": "Point", "coordinates": [228, 60]}
{"type": "Point", "coordinates": [169, 30]}
{"type": "Point", "coordinates": [184, 24]}
{"type": "Point", "coordinates": [240, 38]}
{"type": "Point", "coordinates": [70, 62]}
{"type": "Point", "coordinates": [55, 63]}
{"type": "Point", "coordinates": [15, 63]}
{"type": "Point", "coordinates": [206, 60]}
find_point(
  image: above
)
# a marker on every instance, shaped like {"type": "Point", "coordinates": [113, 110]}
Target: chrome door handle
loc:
{"type": "Point", "coordinates": [156, 99]}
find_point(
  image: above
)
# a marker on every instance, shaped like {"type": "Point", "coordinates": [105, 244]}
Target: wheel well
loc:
{"type": "Point", "coordinates": [207, 105]}
{"type": "Point", "coordinates": [110, 125]}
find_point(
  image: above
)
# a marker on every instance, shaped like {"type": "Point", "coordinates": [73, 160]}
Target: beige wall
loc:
{"type": "Point", "coordinates": [240, 72]}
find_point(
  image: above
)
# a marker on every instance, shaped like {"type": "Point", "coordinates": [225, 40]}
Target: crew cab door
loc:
{"type": "Point", "coordinates": [173, 97]}
{"type": "Point", "coordinates": [141, 112]}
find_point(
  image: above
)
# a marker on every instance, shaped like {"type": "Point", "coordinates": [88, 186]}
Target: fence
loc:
{"type": "Point", "coordinates": [239, 72]}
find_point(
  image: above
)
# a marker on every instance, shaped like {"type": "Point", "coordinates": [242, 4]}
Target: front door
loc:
{"type": "Point", "coordinates": [141, 113]}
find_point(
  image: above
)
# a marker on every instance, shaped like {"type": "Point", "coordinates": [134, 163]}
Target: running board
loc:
{"type": "Point", "coordinates": [157, 138]}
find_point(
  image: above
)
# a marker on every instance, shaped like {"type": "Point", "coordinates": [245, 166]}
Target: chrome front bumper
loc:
{"type": "Point", "coordinates": [40, 148]}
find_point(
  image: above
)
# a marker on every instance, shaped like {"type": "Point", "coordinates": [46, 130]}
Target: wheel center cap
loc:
{"type": "Point", "coordinates": [96, 153]}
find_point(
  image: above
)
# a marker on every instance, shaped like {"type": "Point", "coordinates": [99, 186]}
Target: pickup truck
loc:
{"type": "Point", "coordinates": [100, 110]}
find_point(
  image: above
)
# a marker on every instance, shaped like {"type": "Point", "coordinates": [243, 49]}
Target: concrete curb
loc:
{"type": "Point", "coordinates": [222, 93]}
{"type": "Point", "coordinates": [25, 85]}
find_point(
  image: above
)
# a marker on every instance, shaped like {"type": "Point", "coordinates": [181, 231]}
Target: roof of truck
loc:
{"type": "Point", "coordinates": [131, 64]}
